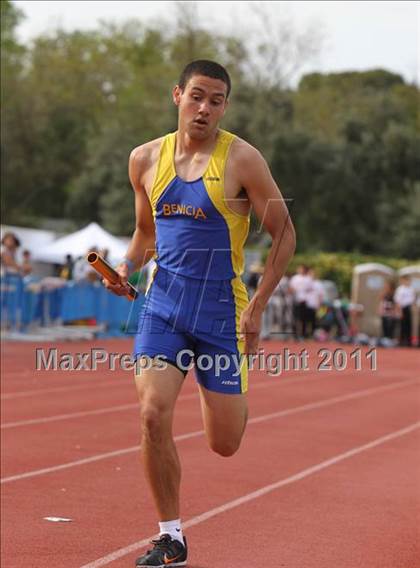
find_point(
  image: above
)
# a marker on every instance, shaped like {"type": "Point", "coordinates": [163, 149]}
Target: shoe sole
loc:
{"type": "Point", "coordinates": [173, 565]}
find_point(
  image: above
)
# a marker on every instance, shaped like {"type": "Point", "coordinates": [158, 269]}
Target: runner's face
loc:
{"type": "Point", "coordinates": [201, 105]}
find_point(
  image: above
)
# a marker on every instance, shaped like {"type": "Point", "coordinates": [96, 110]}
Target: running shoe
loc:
{"type": "Point", "coordinates": [166, 553]}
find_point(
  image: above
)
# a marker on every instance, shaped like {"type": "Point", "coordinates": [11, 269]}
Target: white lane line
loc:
{"type": "Point", "coordinates": [121, 408]}
{"type": "Point", "coordinates": [187, 436]}
{"type": "Point", "coordinates": [20, 394]}
{"type": "Point", "coordinates": [58, 417]}
{"type": "Point", "coordinates": [81, 414]}
{"type": "Point", "coordinates": [104, 410]}
{"type": "Point", "coordinates": [336, 399]}
{"type": "Point", "coordinates": [23, 373]}
{"type": "Point", "coordinates": [117, 382]}
{"type": "Point", "coordinates": [259, 493]}
{"type": "Point", "coordinates": [92, 459]}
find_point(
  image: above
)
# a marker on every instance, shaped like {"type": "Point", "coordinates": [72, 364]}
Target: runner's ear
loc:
{"type": "Point", "coordinates": [176, 94]}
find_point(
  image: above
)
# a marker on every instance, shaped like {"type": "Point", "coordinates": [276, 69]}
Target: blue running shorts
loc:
{"type": "Point", "coordinates": [189, 322]}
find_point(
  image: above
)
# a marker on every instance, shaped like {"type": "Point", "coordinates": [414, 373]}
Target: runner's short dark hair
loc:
{"type": "Point", "coordinates": [208, 69]}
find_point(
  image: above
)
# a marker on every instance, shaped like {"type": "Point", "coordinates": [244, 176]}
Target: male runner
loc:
{"type": "Point", "coordinates": [193, 192]}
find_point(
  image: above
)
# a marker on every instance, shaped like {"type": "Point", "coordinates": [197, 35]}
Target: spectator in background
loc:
{"type": "Point", "coordinates": [285, 313]}
{"type": "Point", "coordinates": [82, 270]}
{"type": "Point", "coordinates": [105, 254]}
{"type": "Point", "coordinates": [387, 310]}
{"type": "Point", "coordinates": [418, 320]}
{"type": "Point", "coordinates": [404, 297]}
{"type": "Point", "coordinates": [9, 245]}
{"type": "Point", "coordinates": [26, 270]}
{"type": "Point", "coordinates": [66, 271]}
{"type": "Point", "coordinates": [299, 285]}
{"type": "Point", "coordinates": [314, 300]}
{"type": "Point", "coordinates": [270, 312]}
{"type": "Point", "coordinates": [26, 266]}
{"type": "Point", "coordinates": [79, 269]}
{"type": "Point", "coordinates": [255, 272]}
{"type": "Point", "coordinates": [272, 309]}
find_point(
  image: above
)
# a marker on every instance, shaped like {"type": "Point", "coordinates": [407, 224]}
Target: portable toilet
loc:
{"type": "Point", "coordinates": [367, 285]}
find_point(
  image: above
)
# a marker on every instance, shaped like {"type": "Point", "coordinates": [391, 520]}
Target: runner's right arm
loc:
{"type": "Point", "coordinates": [142, 245]}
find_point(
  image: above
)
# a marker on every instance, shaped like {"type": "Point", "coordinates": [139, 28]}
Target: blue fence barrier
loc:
{"type": "Point", "coordinates": [12, 293]}
{"type": "Point", "coordinates": [23, 304]}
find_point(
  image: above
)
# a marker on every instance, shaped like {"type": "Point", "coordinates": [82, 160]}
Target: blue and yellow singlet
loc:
{"type": "Point", "coordinates": [196, 288]}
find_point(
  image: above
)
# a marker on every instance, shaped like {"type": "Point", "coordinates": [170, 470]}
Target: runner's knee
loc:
{"type": "Point", "coordinates": [225, 448]}
{"type": "Point", "coordinates": [155, 423]}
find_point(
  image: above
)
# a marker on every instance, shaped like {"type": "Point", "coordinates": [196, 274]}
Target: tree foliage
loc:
{"type": "Point", "coordinates": [343, 147]}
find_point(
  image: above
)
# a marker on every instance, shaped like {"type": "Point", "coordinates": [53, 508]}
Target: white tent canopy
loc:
{"type": "Point", "coordinates": [79, 243]}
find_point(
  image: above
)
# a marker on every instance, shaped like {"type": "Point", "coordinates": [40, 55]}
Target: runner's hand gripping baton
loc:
{"type": "Point", "coordinates": [106, 270]}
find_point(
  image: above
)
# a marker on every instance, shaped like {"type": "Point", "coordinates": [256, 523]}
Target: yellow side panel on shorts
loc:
{"type": "Point", "coordinates": [241, 301]}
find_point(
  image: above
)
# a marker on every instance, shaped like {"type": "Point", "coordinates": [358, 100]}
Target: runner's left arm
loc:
{"type": "Point", "coordinates": [273, 214]}
{"type": "Point", "coordinates": [269, 206]}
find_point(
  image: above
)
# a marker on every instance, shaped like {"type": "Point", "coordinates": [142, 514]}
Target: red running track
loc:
{"type": "Point", "coordinates": [327, 476]}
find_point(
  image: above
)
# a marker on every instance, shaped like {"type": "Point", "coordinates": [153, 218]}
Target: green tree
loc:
{"type": "Point", "coordinates": [342, 146]}
{"type": "Point", "coordinates": [13, 135]}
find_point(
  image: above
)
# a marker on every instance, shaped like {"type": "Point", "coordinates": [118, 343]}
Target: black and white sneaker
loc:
{"type": "Point", "coordinates": [166, 553]}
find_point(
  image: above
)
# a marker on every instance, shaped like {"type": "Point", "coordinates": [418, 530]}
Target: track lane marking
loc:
{"type": "Point", "coordinates": [114, 382]}
{"type": "Point", "coordinates": [120, 408]}
{"type": "Point", "coordinates": [189, 435]}
{"type": "Point", "coordinates": [83, 413]}
{"type": "Point", "coordinates": [229, 505]}
{"type": "Point", "coordinates": [69, 388]}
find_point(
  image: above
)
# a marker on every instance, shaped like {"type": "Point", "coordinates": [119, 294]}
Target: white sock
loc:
{"type": "Point", "coordinates": [172, 528]}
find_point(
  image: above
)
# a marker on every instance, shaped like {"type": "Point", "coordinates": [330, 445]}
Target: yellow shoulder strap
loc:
{"type": "Point", "coordinates": [216, 168]}
{"type": "Point", "coordinates": [165, 172]}
{"type": "Point", "coordinates": [238, 224]}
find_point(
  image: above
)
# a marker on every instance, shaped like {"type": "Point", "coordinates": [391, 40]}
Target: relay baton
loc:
{"type": "Point", "coordinates": [106, 270]}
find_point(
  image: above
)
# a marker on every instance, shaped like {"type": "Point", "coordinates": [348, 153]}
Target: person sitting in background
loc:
{"type": "Point", "coordinates": [387, 310]}
{"type": "Point", "coordinates": [9, 245]}
{"type": "Point", "coordinates": [404, 297]}
{"type": "Point", "coordinates": [66, 271]}
{"type": "Point", "coordinates": [314, 300]}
